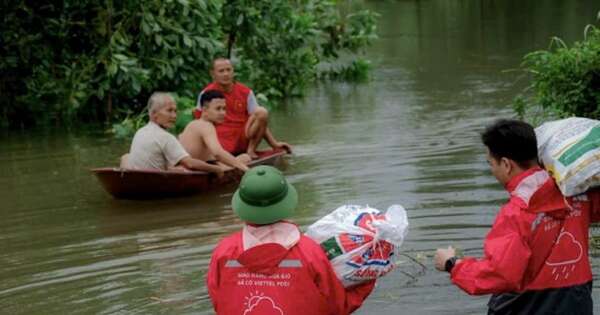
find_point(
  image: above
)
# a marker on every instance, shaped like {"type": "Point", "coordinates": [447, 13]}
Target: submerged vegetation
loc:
{"type": "Point", "coordinates": [100, 60]}
{"type": "Point", "coordinates": [357, 71]}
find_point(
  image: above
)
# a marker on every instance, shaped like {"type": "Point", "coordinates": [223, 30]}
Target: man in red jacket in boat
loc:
{"type": "Point", "coordinates": [246, 123]}
{"type": "Point", "coordinates": [269, 267]}
{"type": "Point", "coordinates": [536, 254]}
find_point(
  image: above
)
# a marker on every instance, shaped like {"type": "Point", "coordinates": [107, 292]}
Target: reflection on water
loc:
{"type": "Point", "coordinates": [409, 136]}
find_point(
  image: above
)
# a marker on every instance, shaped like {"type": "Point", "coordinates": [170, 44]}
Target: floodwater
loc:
{"type": "Point", "coordinates": [409, 136]}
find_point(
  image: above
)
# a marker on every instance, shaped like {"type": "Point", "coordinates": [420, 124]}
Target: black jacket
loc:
{"type": "Point", "coordinates": [574, 300]}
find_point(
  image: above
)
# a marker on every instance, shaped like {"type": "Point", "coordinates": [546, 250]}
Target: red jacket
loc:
{"type": "Point", "coordinates": [538, 241]}
{"type": "Point", "coordinates": [270, 279]}
{"type": "Point", "coordinates": [236, 100]}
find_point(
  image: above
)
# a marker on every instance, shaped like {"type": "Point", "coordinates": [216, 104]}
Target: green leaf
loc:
{"type": "Point", "coordinates": [202, 4]}
{"type": "Point", "coordinates": [146, 28]}
{"type": "Point", "coordinates": [187, 41]}
{"type": "Point", "coordinates": [135, 84]}
{"type": "Point", "coordinates": [120, 57]}
{"type": "Point", "coordinates": [112, 69]}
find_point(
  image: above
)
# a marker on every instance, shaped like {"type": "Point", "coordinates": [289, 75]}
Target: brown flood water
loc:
{"type": "Point", "coordinates": [409, 136]}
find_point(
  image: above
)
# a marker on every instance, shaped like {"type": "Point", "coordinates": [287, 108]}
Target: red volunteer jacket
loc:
{"type": "Point", "coordinates": [538, 241]}
{"type": "Point", "coordinates": [269, 279]}
{"type": "Point", "coordinates": [236, 113]}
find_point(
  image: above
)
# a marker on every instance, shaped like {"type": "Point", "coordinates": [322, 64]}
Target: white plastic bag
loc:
{"type": "Point", "coordinates": [570, 151]}
{"type": "Point", "coordinates": [359, 241]}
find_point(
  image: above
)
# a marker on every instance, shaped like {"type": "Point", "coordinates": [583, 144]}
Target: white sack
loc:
{"type": "Point", "coordinates": [570, 151]}
{"type": "Point", "coordinates": [359, 241]}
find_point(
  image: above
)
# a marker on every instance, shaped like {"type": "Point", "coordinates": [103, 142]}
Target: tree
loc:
{"type": "Point", "coordinates": [92, 60]}
{"type": "Point", "coordinates": [87, 60]}
{"type": "Point", "coordinates": [282, 53]}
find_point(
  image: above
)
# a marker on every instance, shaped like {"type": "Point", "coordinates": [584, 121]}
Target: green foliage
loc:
{"type": "Point", "coordinates": [357, 71]}
{"type": "Point", "coordinates": [565, 81]}
{"type": "Point", "coordinates": [595, 240]}
{"type": "Point", "coordinates": [535, 114]}
{"type": "Point", "coordinates": [132, 122]}
{"type": "Point", "coordinates": [185, 109]}
{"type": "Point", "coordinates": [127, 127]}
{"type": "Point", "coordinates": [99, 60]}
{"type": "Point", "coordinates": [280, 42]}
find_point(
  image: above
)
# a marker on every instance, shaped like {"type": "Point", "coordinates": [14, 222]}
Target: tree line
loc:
{"type": "Point", "coordinates": [67, 61]}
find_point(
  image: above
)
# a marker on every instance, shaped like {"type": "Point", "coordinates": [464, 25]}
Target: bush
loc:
{"type": "Point", "coordinates": [358, 70]}
{"type": "Point", "coordinates": [565, 81]}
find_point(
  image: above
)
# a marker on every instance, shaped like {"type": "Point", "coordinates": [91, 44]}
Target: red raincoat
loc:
{"type": "Point", "coordinates": [538, 241]}
{"type": "Point", "coordinates": [270, 279]}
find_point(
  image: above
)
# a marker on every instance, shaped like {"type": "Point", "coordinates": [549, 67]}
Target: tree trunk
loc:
{"type": "Point", "coordinates": [109, 107]}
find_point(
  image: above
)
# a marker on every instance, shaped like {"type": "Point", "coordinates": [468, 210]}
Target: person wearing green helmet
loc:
{"type": "Point", "coordinates": [269, 267]}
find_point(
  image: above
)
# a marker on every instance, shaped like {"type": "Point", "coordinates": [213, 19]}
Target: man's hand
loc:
{"type": "Point", "coordinates": [252, 154]}
{"type": "Point", "coordinates": [283, 145]}
{"type": "Point", "coordinates": [441, 255]}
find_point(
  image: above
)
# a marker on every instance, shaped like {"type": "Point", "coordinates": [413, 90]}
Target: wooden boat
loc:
{"type": "Point", "coordinates": [152, 184]}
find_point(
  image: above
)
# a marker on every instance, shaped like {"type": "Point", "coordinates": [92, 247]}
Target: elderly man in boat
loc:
{"type": "Point", "coordinates": [153, 147]}
{"type": "Point", "coordinates": [199, 138]}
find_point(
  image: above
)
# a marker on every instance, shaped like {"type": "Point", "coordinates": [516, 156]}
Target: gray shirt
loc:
{"type": "Point", "coordinates": [154, 148]}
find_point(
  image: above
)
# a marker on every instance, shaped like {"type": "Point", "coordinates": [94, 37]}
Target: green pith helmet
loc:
{"type": "Point", "coordinates": [264, 196]}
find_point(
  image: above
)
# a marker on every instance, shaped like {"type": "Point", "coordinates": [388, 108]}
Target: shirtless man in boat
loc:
{"type": "Point", "coordinates": [153, 147]}
{"type": "Point", "coordinates": [199, 138]}
{"type": "Point", "coordinates": [246, 123]}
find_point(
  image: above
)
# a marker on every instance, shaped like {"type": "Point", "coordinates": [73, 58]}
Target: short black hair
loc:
{"type": "Point", "coordinates": [512, 139]}
{"type": "Point", "coordinates": [210, 95]}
